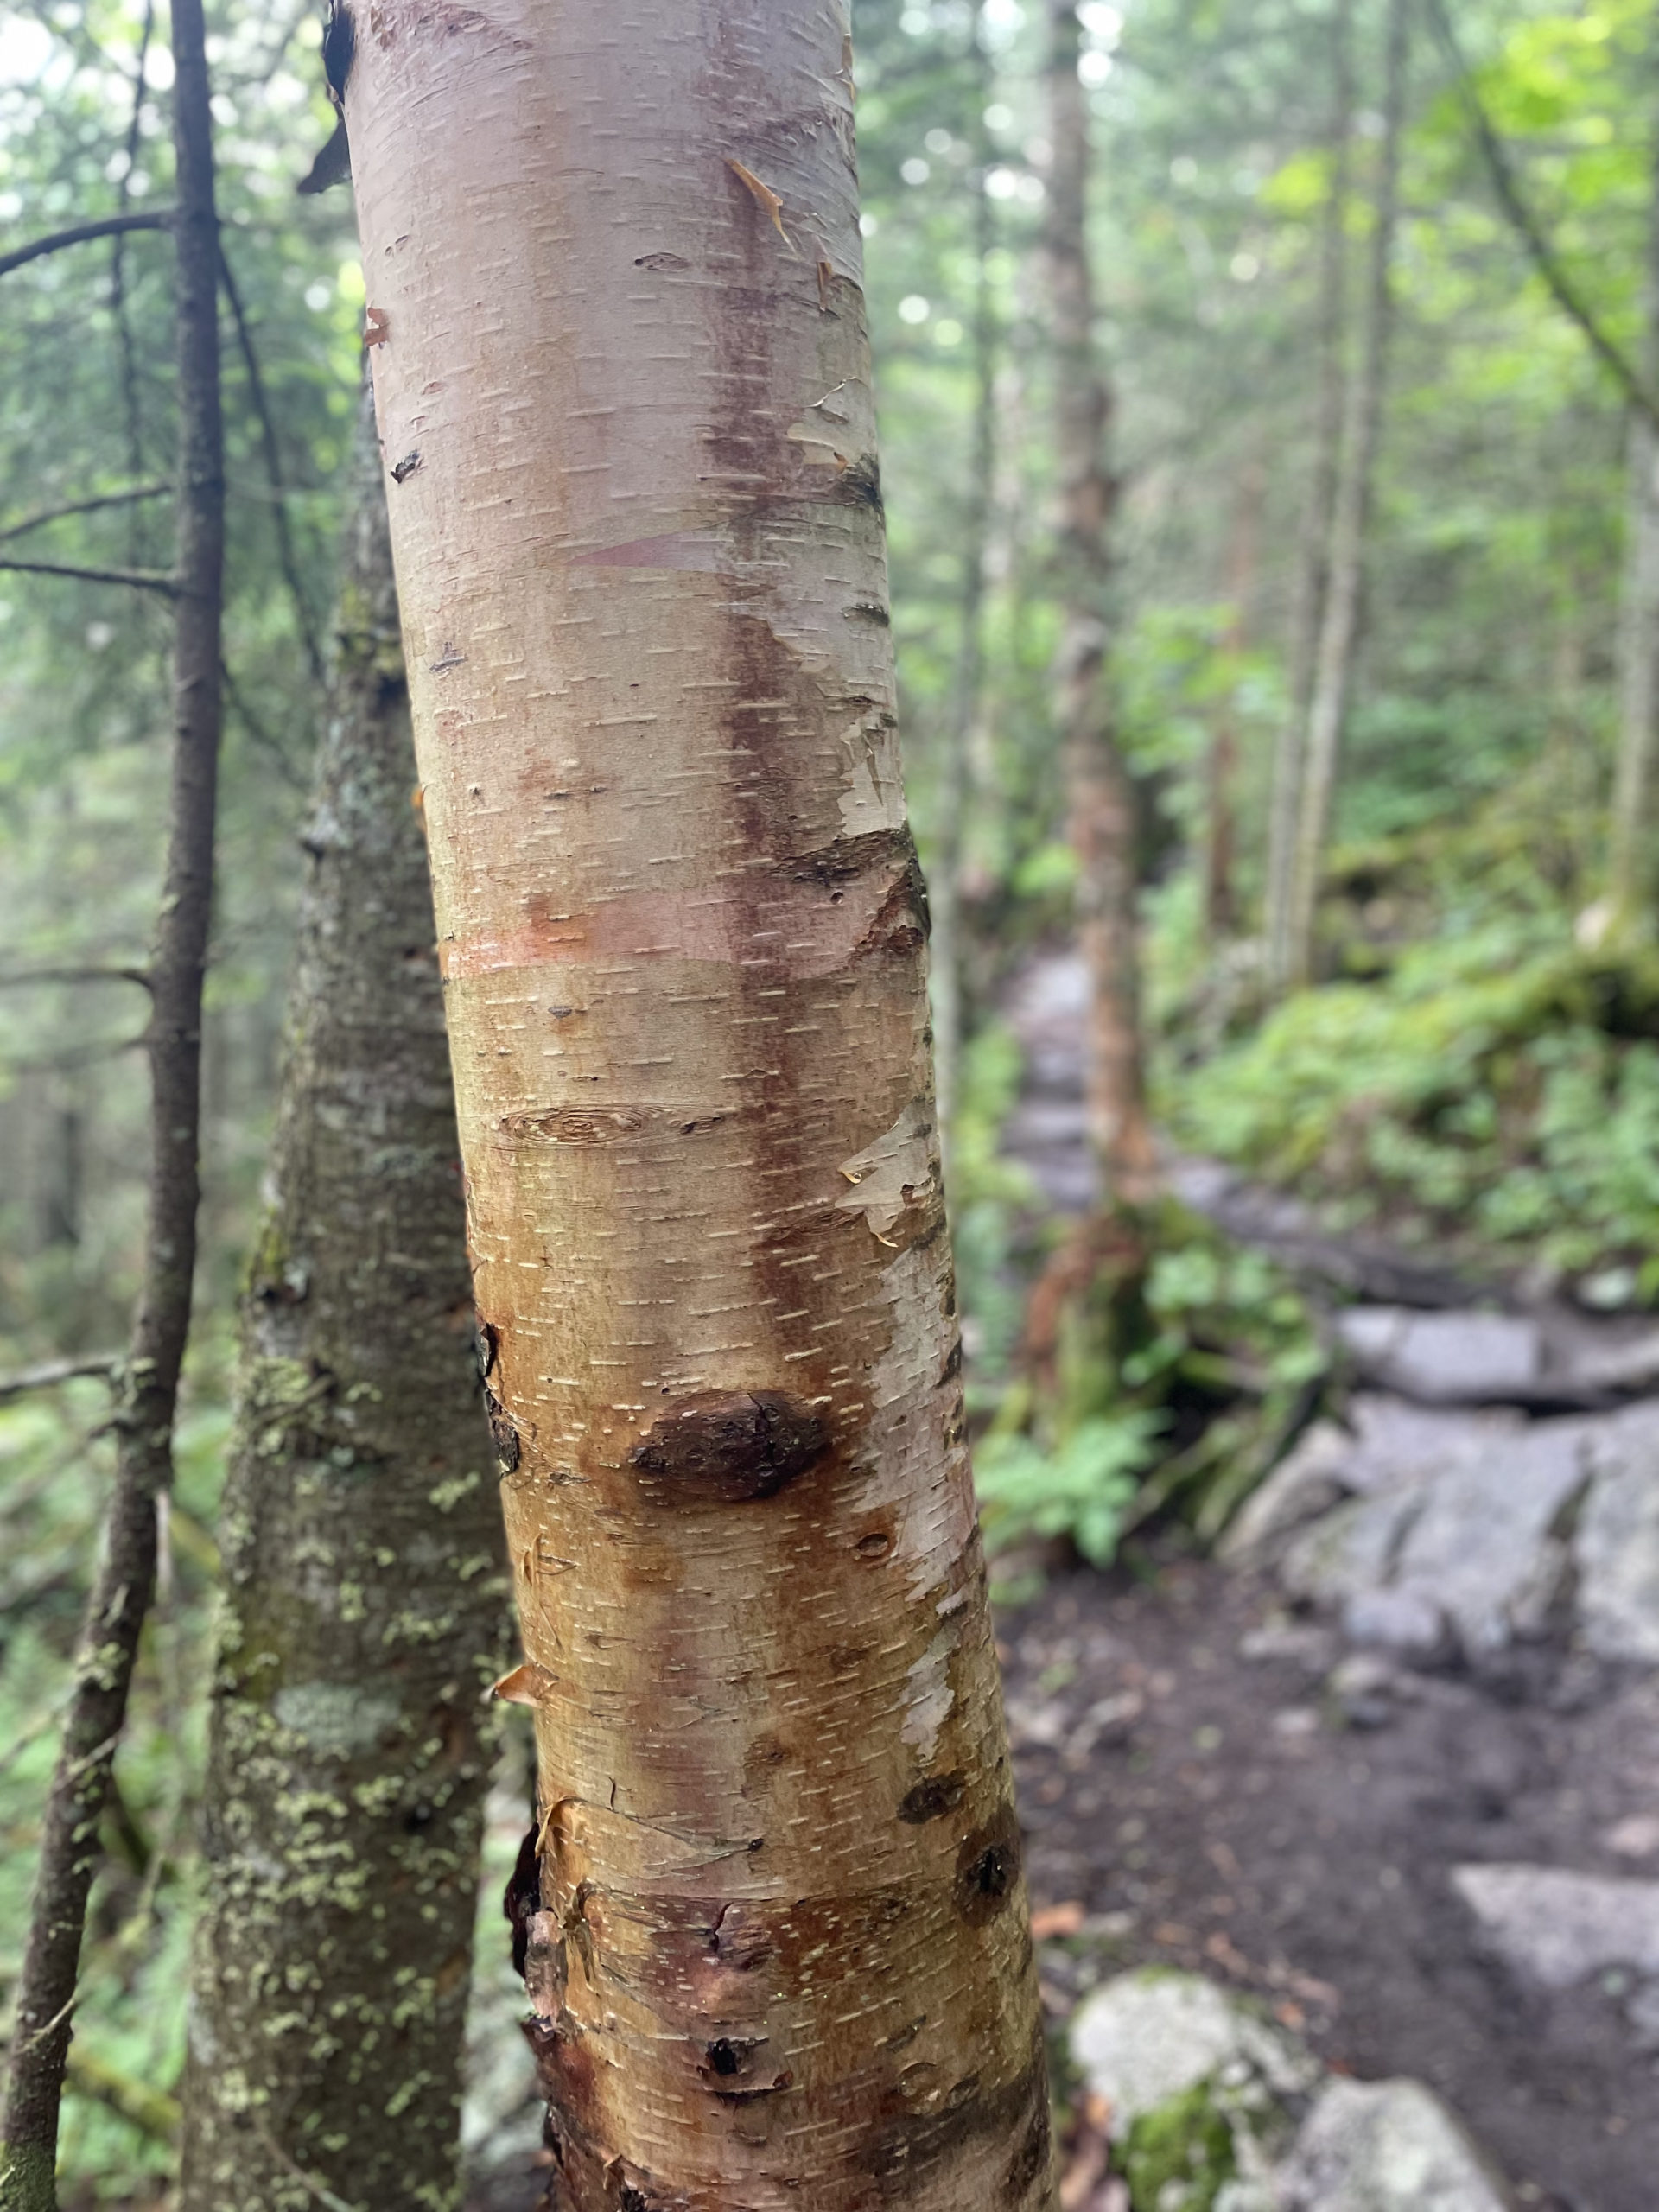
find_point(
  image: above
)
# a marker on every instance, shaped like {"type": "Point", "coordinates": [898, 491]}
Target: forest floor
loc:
{"type": "Point", "coordinates": [1237, 1817]}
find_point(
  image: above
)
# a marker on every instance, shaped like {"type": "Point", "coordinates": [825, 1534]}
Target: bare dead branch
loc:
{"type": "Point", "coordinates": [128, 498]}
{"type": "Point", "coordinates": [105, 227]}
{"type": "Point", "coordinates": [49, 1373]}
{"type": "Point", "coordinates": [273, 456]}
{"type": "Point", "coordinates": [136, 579]}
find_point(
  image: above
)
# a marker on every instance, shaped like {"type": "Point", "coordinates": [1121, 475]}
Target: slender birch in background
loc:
{"type": "Point", "coordinates": [1312, 566]}
{"type": "Point", "coordinates": [1100, 798]}
{"type": "Point", "coordinates": [779, 1953]}
{"type": "Point", "coordinates": [1339, 625]}
{"type": "Point", "coordinates": [1221, 810]}
{"type": "Point", "coordinates": [365, 1610]}
{"type": "Point", "coordinates": [956, 779]}
{"type": "Point", "coordinates": [125, 1577]}
{"type": "Point", "coordinates": [1630, 872]}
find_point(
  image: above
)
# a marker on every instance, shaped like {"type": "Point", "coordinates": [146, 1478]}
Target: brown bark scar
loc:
{"type": "Point", "coordinates": [376, 326]}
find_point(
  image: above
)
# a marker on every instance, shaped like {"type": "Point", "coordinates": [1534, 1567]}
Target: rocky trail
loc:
{"type": "Point", "coordinates": [1391, 1764]}
{"type": "Point", "coordinates": [1382, 1779]}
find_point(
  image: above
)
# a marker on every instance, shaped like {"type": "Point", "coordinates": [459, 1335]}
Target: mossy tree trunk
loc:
{"type": "Point", "coordinates": [780, 1952]}
{"type": "Point", "coordinates": [366, 1609]}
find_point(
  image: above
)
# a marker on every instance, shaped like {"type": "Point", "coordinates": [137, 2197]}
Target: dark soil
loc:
{"type": "Point", "coordinates": [1236, 1816]}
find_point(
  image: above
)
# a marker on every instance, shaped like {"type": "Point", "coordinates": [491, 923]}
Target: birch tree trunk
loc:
{"type": "Point", "coordinates": [364, 1609]}
{"type": "Point", "coordinates": [779, 1952]}
{"type": "Point", "coordinates": [1629, 874]}
{"type": "Point", "coordinates": [1313, 568]}
{"type": "Point", "coordinates": [1344, 590]}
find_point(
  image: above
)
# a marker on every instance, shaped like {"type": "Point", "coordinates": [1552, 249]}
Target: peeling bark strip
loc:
{"type": "Point", "coordinates": [364, 1605]}
{"type": "Point", "coordinates": [121, 1591]}
{"type": "Point", "coordinates": [615, 276]}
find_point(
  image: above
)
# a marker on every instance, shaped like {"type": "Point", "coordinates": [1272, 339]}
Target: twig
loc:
{"type": "Point", "coordinates": [273, 454]}
{"type": "Point", "coordinates": [83, 508]}
{"type": "Point", "coordinates": [263, 738]}
{"type": "Point", "coordinates": [79, 1056]}
{"type": "Point", "coordinates": [50, 1372]}
{"type": "Point", "coordinates": [1528, 228]}
{"type": "Point", "coordinates": [27, 976]}
{"type": "Point", "coordinates": [40, 1725]}
{"type": "Point", "coordinates": [319, 2191]}
{"type": "Point", "coordinates": [152, 2112]}
{"type": "Point", "coordinates": [105, 227]}
{"type": "Point", "coordinates": [139, 579]}
{"type": "Point", "coordinates": [118, 273]}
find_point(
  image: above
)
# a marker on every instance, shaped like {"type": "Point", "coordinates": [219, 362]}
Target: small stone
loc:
{"type": "Point", "coordinates": [1385, 2146]}
{"type": "Point", "coordinates": [1643, 2012]}
{"type": "Point", "coordinates": [1303, 1643]}
{"type": "Point", "coordinates": [1366, 1689]}
{"type": "Point", "coordinates": [1634, 1838]}
{"type": "Point", "coordinates": [1557, 1928]}
{"type": "Point", "coordinates": [1142, 2039]}
{"type": "Point", "coordinates": [1406, 1621]}
{"type": "Point", "coordinates": [1294, 1724]}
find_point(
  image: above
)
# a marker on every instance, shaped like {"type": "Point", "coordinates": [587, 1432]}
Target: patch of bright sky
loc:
{"type": "Point", "coordinates": [25, 49]}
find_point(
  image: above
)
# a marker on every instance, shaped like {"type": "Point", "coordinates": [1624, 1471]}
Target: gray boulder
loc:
{"type": "Point", "coordinates": [1555, 1927]}
{"type": "Point", "coordinates": [1615, 1546]}
{"type": "Point", "coordinates": [1467, 1536]}
{"type": "Point", "coordinates": [1452, 1358]}
{"type": "Point", "coordinates": [1385, 2146]}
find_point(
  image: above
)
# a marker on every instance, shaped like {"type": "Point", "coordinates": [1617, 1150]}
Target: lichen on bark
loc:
{"type": "Point", "coordinates": [366, 1607]}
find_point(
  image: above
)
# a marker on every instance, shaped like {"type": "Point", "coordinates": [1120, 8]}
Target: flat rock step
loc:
{"type": "Point", "coordinates": [1552, 1358]}
{"type": "Point", "coordinates": [1456, 1532]}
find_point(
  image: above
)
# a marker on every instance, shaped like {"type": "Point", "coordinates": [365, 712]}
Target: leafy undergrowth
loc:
{"type": "Point", "coordinates": [1174, 1381]}
{"type": "Point", "coordinates": [1491, 1093]}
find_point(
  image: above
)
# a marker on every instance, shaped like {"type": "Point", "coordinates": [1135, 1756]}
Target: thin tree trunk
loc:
{"type": "Point", "coordinates": [1221, 832]}
{"type": "Point", "coordinates": [125, 1575]}
{"type": "Point", "coordinates": [1339, 625]}
{"type": "Point", "coordinates": [1312, 567]}
{"type": "Point", "coordinates": [1100, 800]}
{"type": "Point", "coordinates": [776, 1948]}
{"type": "Point", "coordinates": [956, 780]}
{"type": "Point", "coordinates": [1629, 874]}
{"type": "Point", "coordinates": [364, 1609]}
